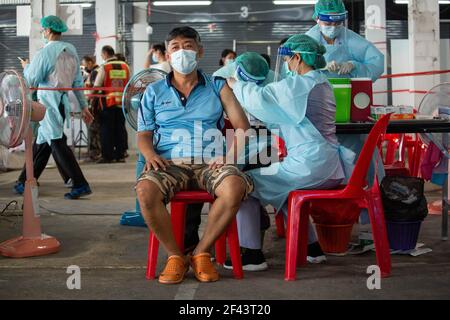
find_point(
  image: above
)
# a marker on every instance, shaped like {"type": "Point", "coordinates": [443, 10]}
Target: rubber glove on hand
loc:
{"type": "Point", "coordinates": [346, 68]}
{"type": "Point", "coordinates": [332, 66]}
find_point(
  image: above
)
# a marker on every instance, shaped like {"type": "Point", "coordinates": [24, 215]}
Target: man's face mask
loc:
{"type": "Point", "coordinates": [184, 61]}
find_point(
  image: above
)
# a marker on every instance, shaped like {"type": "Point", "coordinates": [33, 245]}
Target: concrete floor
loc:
{"type": "Point", "coordinates": [112, 258]}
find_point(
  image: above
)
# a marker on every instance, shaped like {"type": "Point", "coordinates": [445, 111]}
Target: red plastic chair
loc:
{"type": "Point", "coordinates": [177, 215]}
{"type": "Point", "coordinates": [300, 203]}
{"type": "Point", "coordinates": [403, 144]}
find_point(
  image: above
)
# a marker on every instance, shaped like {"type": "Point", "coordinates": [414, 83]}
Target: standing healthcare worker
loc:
{"type": "Point", "coordinates": [302, 107]}
{"type": "Point", "coordinates": [348, 55]}
{"type": "Point", "coordinates": [57, 66]}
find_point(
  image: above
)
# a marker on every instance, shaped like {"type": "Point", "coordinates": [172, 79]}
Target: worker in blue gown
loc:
{"type": "Point", "coordinates": [57, 65]}
{"type": "Point", "coordinates": [348, 55]}
{"type": "Point", "coordinates": [302, 108]}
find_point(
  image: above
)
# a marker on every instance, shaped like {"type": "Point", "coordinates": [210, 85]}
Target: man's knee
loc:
{"type": "Point", "coordinates": [233, 189]}
{"type": "Point", "coordinates": [148, 194]}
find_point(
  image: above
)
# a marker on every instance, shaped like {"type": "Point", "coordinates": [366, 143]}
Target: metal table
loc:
{"type": "Point", "coordinates": [410, 126]}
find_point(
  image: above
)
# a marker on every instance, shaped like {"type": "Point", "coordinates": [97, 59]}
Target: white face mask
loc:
{"type": "Point", "coordinates": [330, 31]}
{"type": "Point", "coordinates": [154, 58]}
{"type": "Point", "coordinates": [184, 61]}
{"type": "Point", "coordinates": [228, 61]}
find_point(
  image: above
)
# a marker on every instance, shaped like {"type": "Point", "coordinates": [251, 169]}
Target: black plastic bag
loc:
{"type": "Point", "coordinates": [403, 198]}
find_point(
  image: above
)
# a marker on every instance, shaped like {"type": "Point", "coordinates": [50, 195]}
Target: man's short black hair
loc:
{"type": "Point", "coordinates": [108, 50]}
{"type": "Point", "coordinates": [89, 59]}
{"type": "Point", "coordinates": [159, 47]}
{"type": "Point", "coordinates": [185, 32]}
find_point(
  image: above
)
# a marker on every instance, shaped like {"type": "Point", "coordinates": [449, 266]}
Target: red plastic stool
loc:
{"type": "Point", "coordinates": [178, 214]}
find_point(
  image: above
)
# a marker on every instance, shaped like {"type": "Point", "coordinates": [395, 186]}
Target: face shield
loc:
{"type": "Point", "coordinates": [333, 25]}
{"type": "Point", "coordinates": [281, 68]}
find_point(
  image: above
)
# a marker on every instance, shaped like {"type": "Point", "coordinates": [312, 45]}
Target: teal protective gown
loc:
{"type": "Point", "coordinates": [311, 161]}
{"type": "Point", "coordinates": [56, 66]}
{"type": "Point", "coordinates": [366, 58]}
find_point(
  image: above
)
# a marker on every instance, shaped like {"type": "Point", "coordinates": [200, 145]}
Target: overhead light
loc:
{"type": "Point", "coordinates": [182, 3]}
{"type": "Point", "coordinates": [283, 2]}
{"type": "Point", "coordinates": [406, 1]}
{"type": "Point", "coordinates": [86, 5]}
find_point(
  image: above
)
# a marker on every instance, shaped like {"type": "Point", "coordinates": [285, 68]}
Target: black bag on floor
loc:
{"type": "Point", "coordinates": [403, 198]}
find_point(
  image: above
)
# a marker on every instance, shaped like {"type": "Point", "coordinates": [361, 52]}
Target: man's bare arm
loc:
{"type": "Point", "coordinates": [238, 120]}
{"type": "Point", "coordinates": [145, 146]}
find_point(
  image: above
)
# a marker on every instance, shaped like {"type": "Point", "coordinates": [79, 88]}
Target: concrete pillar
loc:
{"type": "Point", "coordinates": [39, 9]}
{"type": "Point", "coordinates": [139, 34]}
{"type": "Point", "coordinates": [424, 44]}
{"type": "Point", "coordinates": [106, 20]}
{"type": "Point", "coordinates": [375, 14]}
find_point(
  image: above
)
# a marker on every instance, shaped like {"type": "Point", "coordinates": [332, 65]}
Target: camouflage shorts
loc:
{"type": "Point", "coordinates": [186, 176]}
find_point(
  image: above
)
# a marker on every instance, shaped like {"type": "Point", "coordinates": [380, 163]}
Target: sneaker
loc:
{"type": "Point", "coordinates": [19, 188]}
{"type": "Point", "coordinates": [76, 193]}
{"type": "Point", "coordinates": [121, 160]}
{"type": "Point", "coordinates": [252, 260]}
{"type": "Point", "coordinates": [315, 253]}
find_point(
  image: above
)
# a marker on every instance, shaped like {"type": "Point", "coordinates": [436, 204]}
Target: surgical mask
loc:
{"type": "Point", "coordinates": [291, 73]}
{"type": "Point", "coordinates": [228, 61]}
{"type": "Point", "coordinates": [154, 58]}
{"type": "Point", "coordinates": [184, 61]}
{"type": "Point", "coordinates": [330, 31]}
{"type": "Point", "coordinates": [44, 39]}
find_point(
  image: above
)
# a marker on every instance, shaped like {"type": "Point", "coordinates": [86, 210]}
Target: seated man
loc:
{"type": "Point", "coordinates": [187, 101]}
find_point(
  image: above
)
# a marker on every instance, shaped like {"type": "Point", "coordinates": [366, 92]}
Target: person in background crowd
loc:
{"type": "Point", "coordinates": [91, 69]}
{"type": "Point", "coordinates": [116, 74]}
{"type": "Point", "coordinates": [156, 58]}
{"type": "Point", "coordinates": [227, 57]}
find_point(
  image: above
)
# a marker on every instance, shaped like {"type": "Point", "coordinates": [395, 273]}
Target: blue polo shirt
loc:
{"type": "Point", "coordinates": [183, 127]}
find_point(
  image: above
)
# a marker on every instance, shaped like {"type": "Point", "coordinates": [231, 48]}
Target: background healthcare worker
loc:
{"type": "Point", "coordinates": [57, 66]}
{"type": "Point", "coordinates": [348, 54]}
{"type": "Point", "coordinates": [302, 107]}
{"type": "Point", "coordinates": [351, 56]}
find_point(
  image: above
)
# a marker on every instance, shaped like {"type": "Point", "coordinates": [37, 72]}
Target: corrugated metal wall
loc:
{"type": "Point", "coordinates": [12, 46]}
{"type": "Point", "coordinates": [217, 31]}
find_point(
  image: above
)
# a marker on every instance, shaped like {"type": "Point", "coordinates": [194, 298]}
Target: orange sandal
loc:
{"type": "Point", "coordinates": [203, 268]}
{"type": "Point", "coordinates": [174, 271]}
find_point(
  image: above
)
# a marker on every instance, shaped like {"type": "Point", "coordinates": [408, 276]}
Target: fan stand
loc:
{"type": "Point", "coordinates": [134, 218]}
{"type": "Point", "coordinates": [32, 243]}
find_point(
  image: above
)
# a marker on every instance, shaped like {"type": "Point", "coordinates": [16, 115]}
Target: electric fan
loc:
{"type": "Point", "coordinates": [16, 112]}
{"type": "Point", "coordinates": [130, 105]}
{"type": "Point", "coordinates": [436, 104]}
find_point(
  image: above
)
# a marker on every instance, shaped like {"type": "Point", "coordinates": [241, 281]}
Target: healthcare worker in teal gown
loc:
{"type": "Point", "coordinates": [57, 66]}
{"type": "Point", "coordinates": [348, 54]}
{"type": "Point", "coordinates": [302, 107]}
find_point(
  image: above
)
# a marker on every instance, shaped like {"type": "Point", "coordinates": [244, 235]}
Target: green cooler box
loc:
{"type": "Point", "coordinates": [342, 88]}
